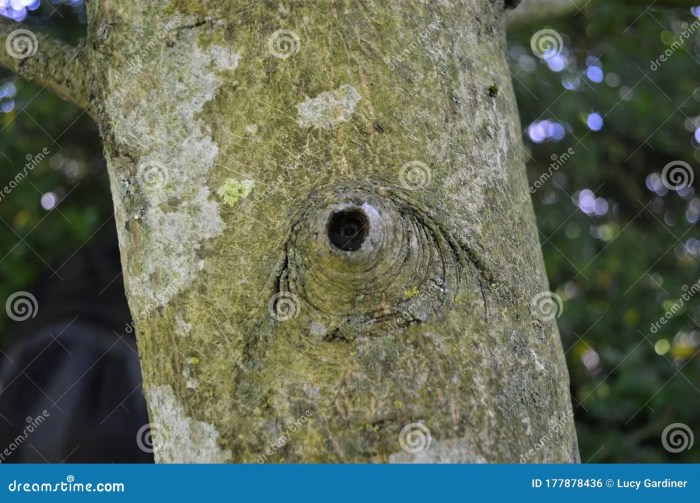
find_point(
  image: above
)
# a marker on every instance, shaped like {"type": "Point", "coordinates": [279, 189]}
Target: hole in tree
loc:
{"type": "Point", "coordinates": [348, 229]}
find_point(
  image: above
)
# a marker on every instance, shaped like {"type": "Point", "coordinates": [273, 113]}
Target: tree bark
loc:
{"type": "Point", "coordinates": [50, 63]}
{"type": "Point", "coordinates": [328, 244]}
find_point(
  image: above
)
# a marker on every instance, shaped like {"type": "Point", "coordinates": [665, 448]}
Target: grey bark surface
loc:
{"type": "Point", "coordinates": [328, 243]}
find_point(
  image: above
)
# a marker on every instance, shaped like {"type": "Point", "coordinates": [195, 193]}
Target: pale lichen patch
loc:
{"type": "Point", "coordinates": [172, 207]}
{"type": "Point", "coordinates": [182, 328]}
{"type": "Point", "coordinates": [232, 190]}
{"type": "Point", "coordinates": [538, 363]}
{"type": "Point", "coordinates": [171, 252]}
{"type": "Point", "coordinates": [329, 108]}
{"type": "Point", "coordinates": [225, 58]}
{"type": "Point", "coordinates": [190, 382]}
{"type": "Point", "coordinates": [185, 440]}
{"type": "Point", "coordinates": [318, 329]}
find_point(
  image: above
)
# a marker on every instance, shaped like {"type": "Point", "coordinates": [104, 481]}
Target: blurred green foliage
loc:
{"type": "Point", "coordinates": [33, 240]}
{"type": "Point", "coordinates": [618, 247]}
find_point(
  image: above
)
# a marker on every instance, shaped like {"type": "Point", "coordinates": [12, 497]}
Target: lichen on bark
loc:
{"type": "Point", "coordinates": [275, 318]}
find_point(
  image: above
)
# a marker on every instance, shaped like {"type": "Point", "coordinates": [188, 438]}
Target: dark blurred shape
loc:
{"type": "Point", "coordinates": [74, 361]}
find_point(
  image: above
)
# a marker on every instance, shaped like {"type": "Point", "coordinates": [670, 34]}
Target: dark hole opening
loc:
{"type": "Point", "coordinates": [348, 229]}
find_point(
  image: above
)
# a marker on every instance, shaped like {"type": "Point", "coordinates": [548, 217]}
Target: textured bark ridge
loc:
{"type": "Point", "coordinates": [326, 238]}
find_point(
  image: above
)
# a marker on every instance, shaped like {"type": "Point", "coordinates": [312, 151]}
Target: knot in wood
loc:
{"type": "Point", "coordinates": [356, 252]}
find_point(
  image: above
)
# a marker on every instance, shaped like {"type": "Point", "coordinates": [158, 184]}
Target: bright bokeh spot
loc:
{"type": "Point", "coordinates": [594, 121]}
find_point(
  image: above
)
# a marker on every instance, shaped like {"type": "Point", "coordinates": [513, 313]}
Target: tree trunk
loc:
{"type": "Point", "coordinates": [328, 246]}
